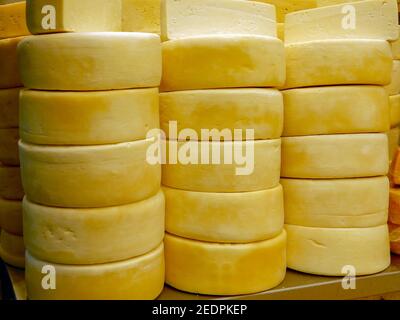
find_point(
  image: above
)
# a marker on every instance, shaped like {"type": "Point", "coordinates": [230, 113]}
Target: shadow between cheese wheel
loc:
{"type": "Point", "coordinates": [12, 249]}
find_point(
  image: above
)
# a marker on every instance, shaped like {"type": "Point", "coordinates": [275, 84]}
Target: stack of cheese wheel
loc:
{"type": "Point", "coordinates": [394, 204]}
{"type": "Point", "coordinates": [94, 210]}
{"type": "Point", "coordinates": [12, 30]}
{"type": "Point", "coordinates": [335, 150]}
{"type": "Point", "coordinates": [224, 219]}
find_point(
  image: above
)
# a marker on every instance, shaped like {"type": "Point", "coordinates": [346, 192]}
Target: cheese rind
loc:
{"type": "Point", "coordinates": [94, 236]}
{"type": "Point", "coordinates": [394, 230]}
{"type": "Point", "coordinates": [283, 7]}
{"type": "Point", "coordinates": [326, 251]}
{"type": "Point", "coordinates": [11, 216]}
{"type": "Point", "coordinates": [394, 87]}
{"type": "Point", "coordinates": [88, 176]}
{"type": "Point", "coordinates": [141, 16]}
{"type": "Point", "coordinates": [394, 206]}
{"type": "Point", "coordinates": [336, 62]}
{"type": "Point", "coordinates": [396, 47]}
{"type": "Point", "coordinates": [393, 141]}
{"type": "Point", "coordinates": [231, 61]}
{"type": "Point", "coordinates": [102, 65]}
{"type": "Point", "coordinates": [12, 20]}
{"type": "Point", "coordinates": [318, 157]}
{"type": "Point", "coordinates": [87, 118]}
{"type": "Point", "coordinates": [9, 76]}
{"type": "Point", "coordinates": [9, 146]}
{"type": "Point", "coordinates": [342, 203]}
{"type": "Point", "coordinates": [281, 31]}
{"type": "Point", "coordinates": [225, 217]}
{"type": "Point", "coordinates": [260, 110]}
{"type": "Point", "coordinates": [9, 110]}
{"type": "Point", "coordinates": [325, 110]}
{"type": "Point", "coordinates": [224, 269]}
{"type": "Point", "coordinates": [394, 102]}
{"type": "Point", "coordinates": [10, 183]}
{"type": "Point", "coordinates": [12, 249]}
{"type": "Point", "coordinates": [140, 278]}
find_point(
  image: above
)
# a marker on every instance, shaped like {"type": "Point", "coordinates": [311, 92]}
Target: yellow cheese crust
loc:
{"type": "Point", "coordinates": [325, 110]}
{"type": "Point", "coordinates": [88, 176]}
{"type": "Point", "coordinates": [335, 156]}
{"type": "Point", "coordinates": [256, 109]}
{"type": "Point", "coordinates": [225, 217]}
{"type": "Point", "coordinates": [224, 269]}
{"type": "Point", "coordinates": [12, 249]}
{"type": "Point", "coordinates": [9, 76]}
{"type": "Point", "coordinates": [11, 216]}
{"type": "Point", "coordinates": [9, 146]}
{"type": "Point", "coordinates": [141, 16]}
{"type": "Point", "coordinates": [283, 7]}
{"type": "Point", "coordinates": [140, 278]}
{"type": "Point", "coordinates": [223, 61]}
{"type": "Point", "coordinates": [12, 20]}
{"type": "Point", "coordinates": [394, 87]}
{"type": "Point", "coordinates": [10, 183]}
{"type": "Point", "coordinates": [394, 102]}
{"type": "Point", "coordinates": [393, 136]}
{"type": "Point", "coordinates": [88, 118]}
{"type": "Point", "coordinates": [110, 60]}
{"type": "Point", "coordinates": [9, 102]}
{"type": "Point", "coordinates": [325, 251]}
{"type": "Point", "coordinates": [396, 47]}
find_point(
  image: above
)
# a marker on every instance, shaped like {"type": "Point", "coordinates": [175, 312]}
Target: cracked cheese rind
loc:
{"type": "Point", "coordinates": [224, 269]}
{"type": "Point", "coordinates": [325, 110]}
{"type": "Point", "coordinates": [9, 76]}
{"type": "Point", "coordinates": [140, 278]}
{"type": "Point", "coordinates": [141, 16]}
{"type": "Point", "coordinates": [87, 118]}
{"type": "Point", "coordinates": [88, 176]}
{"type": "Point", "coordinates": [283, 7]}
{"type": "Point", "coordinates": [255, 109]}
{"type": "Point", "coordinates": [12, 249]}
{"type": "Point", "coordinates": [225, 217]}
{"type": "Point", "coordinates": [9, 146]}
{"type": "Point", "coordinates": [12, 20]}
{"type": "Point", "coordinates": [394, 102]}
{"type": "Point", "coordinates": [394, 87]}
{"type": "Point", "coordinates": [325, 251]}
{"type": "Point", "coordinates": [9, 110]}
{"type": "Point", "coordinates": [335, 156]}
{"type": "Point", "coordinates": [11, 216]}
{"type": "Point", "coordinates": [10, 183]}
{"type": "Point", "coordinates": [223, 61]}
{"type": "Point", "coordinates": [336, 203]}
{"type": "Point", "coordinates": [96, 61]}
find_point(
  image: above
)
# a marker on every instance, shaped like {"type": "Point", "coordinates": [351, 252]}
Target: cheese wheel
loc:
{"type": "Point", "coordinates": [225, 217]}
{"type": "Point", "coordinates": [342, 203]}
{"type": "Point", "coordinates": [394, 238]}
{"type": "Point", "coordinates": [224, 269]}
{"type": "Point", "coordinates": [8, 1]}
{"type": "Point", "coordinates": [395, 164]}
{"type": "Point", "coordinates": [281, 31]}
{"type": "Point", "coordinates": [394, 102]}
{"type": "Point", "coordinates": [396, 48]}
{"type": "Point", "coordinates": [48, 16]}
{"type": "Point", "coordinates": [283, 7]}
{"type": "Point", "coordinates": [325, 110]}
{"type": "Point", "coordinates": [394, 206]}
{"type": "Point", "coordinates": [9, 146]}
{"type": "Point", "coordinates": [335, 156]}
{"type": "Point", "coordinates": [334, 62]}
{"type": "Point", "coordinates": [373, 19]}
{"type": "Point", "coordinates": [394, 87]}
{"type": "Point", "coordinates": [88, 118]}
{"type": "Point", "coordinates": [259, 169]}
{"type": "Point", "coordinates": [9, 76]}
{"type": "Point", "coordinates": [10, 183]}
{"type": "Point", "coordinates": [140, 278]}
{"type": "Point", "coordinates": [93, 236]}
{"type": "Point", "coordinates": [326, 251]}
{"type": "Point", "coordinates": [110, 60]}
{"type": "Point", "coordinates": [12, 20]}
{"type": "Point", "coordinates": [186, 18]}
{"type": "Point", "coordinates": [223, 61]}
{"type": "Point", "coordinates": [11, 216]}
{"type": "Point", "coordinates": [88, 176]}
{"type": "Point", "coordinates": [12, 249]}
{"type": "Point", "coordinates": [9, 102]}
{"type": "Point", "coordinates": [255, 109]}
{"type": "Point", "coordinates": [141, 16]}
{"type": "Point", "coordinates": [393, 141]}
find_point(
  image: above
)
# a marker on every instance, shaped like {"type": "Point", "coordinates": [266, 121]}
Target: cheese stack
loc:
{"type": "Point", "coordinates": [12, 30]}
{"type": "Point", "coordinates": [394, 204]}
{"type": "Point", "coordinates": [94, 210]}
{"type": "Point", "coordinates": [335, 150]}
{"type": "Point", "coordinates": [224, 218]}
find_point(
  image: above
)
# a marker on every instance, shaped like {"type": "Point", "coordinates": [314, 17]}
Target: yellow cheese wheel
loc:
{"type": "Point", "coordinates": [8, 1]}
{"type": "Point", "coordinates": [88, 118]}
{"type": "Point", "coordinates": [256, 109]}
{"type": "Point", "coordinates": [11, 216]}
{"type": "Point", "coordinates": [396, 47]}
{"type": "Point", "coordinates": [12, 249]}
{"type": "Point", "coordinates": [12, 20]}
{"type": "Point", "coordinates": [225, 217]}
{"type": "Point", "coordinates": [325, 110]}
{"type": "Point", "coordinates": [260, 171]}
{"type": "Point", "coordinates": [342, 203]}
{"type": "Point", "coordinates": [334, 62]}
{"type": "Point", "coordinates": [223, 61]}
{"type": "Point", "coordinates": [141, 16]}
{"type": "Point", "coordinates": [393, 141]}
{"type": "Point", "coordinates": [96, 61]}
{"type": "Point", "coordinates": [394, 205]}
{"type": "Point", "coordinates": [9, 102]}
{"type": "Point", "coordinates": [394, 238]}
{"type": "Point", "coordinates": [93, 236]}
{"type": "Point", "coordinates": [283, 7]}
{"type": "Point", "coordinates": [10, 183]}
{"type": "Point", "coordinates": [9, 76]}
{"type": "Point", "coordinates": [326, 251]}
{"type": "Point", "coordinates": [186, 18]}
{"type": "Point", "coordinates": [394, 102]}
{"type": "Point", "coordinates": [224, 269]}
{"type": "Point", "coordinates": [88, 176]}
{"type": "Point", "coordinates": [9, 146]}
{"type": "Point", "coordinates": [140, 278]}
{"type": "Point", "coordinates": [335, 156]}
{"type": "Point", "coordinates": [48, 16]}
{"type": "Point", "coordinates": [394, 87]}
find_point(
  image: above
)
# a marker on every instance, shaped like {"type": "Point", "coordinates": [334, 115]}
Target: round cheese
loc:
{"type": "Point", "coordinates": [326, 251]}
{"type": "Point", "coordinates": [88, 118]}
{"type": "Point", "coordinates": [12, 19]}
{"type": "Point", "coordinates": [141, 16]}
{"type": "Point", "coordinates": [259, 168]}
{"type": "Point", "coordinates": [96, 61]}
{"type": "Point", "coordinates": [335, 62]}
{"type": "Point", "coordinates": [9, 76]}
{"type": "Point", "coordinates": [342, 203]}
{"type": "Point", "coordinates": [394, 87]}
{"type": "Point", "coordinates": [260, 110]}
{"type": "Point", "coordinates": [394, 206]}
{"type": "Point", "coordinates": [335, 156]}
{"type": "Point", "coordinates": [11, 216]}
{"type": "Point", "coordinates": [9, 146]}
{"type": "Point", "coordinates": [225, 217]}
{"type": "Point", "coordinates": [393, 141]}
{"type": "Point", "coordinates": [223, 61]}
{"type": "Point", "coordinates": [94, 236]}
{"type": "Point", "coordinates": [224, 269]}
{"type": "Point", "coordinates": [394, 238]}
{"type": "Point", "coordinates": [88, 176]}
{"type": "Point", "coordinates": [12, 249]}
{"type": "Point", "coordinates": [394, 110]}
{"type": "Point", "coordinates": [10, 183]}
{"type": "Point", "coordinates": [325, 110]}
{"type": "Point", "coordinates": [140, 278]}
{"type": "Point", "coordinates": [9, 107]}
